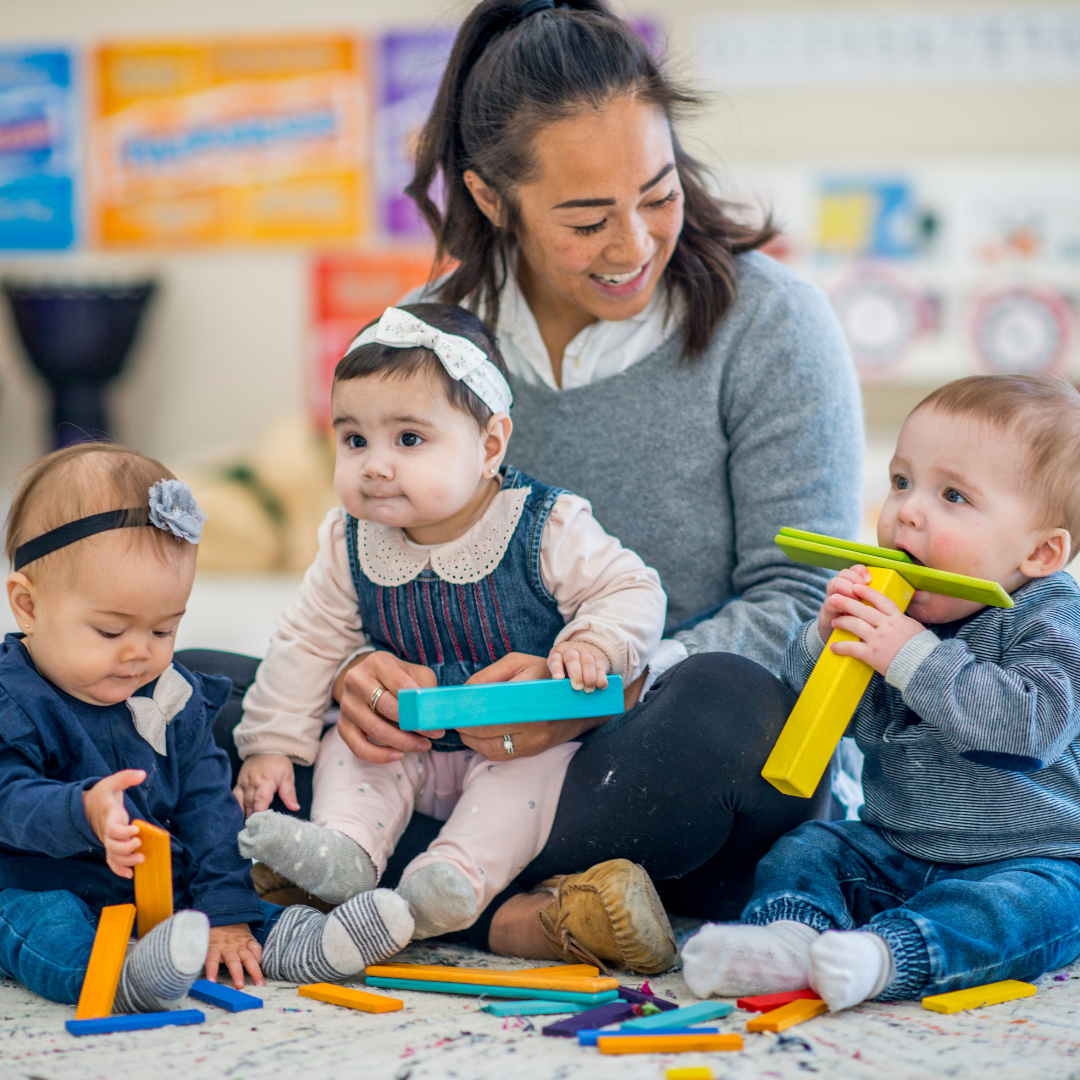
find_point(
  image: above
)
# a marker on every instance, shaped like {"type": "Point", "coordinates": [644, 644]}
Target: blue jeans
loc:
{"type": "Point", "coordinates": [949, 926]}
{"type": "Point", "coordinates": [46, 938]}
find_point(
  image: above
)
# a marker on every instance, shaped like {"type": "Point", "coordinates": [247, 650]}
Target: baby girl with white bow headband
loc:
{"type": "Point", "coordinates": [443, 565]}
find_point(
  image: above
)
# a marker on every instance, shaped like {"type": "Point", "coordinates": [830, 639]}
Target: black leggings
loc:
{"type": "Point", "coordinates": [674, 784]}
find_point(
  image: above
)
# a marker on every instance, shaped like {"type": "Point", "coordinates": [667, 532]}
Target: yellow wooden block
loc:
{"type": "Point", "coordinates": [351, 999]}
{"type": "Point", "coordinates": [977, 996]}
{"type": "Point", "coordinates": [821, 715]}
{"type": "Point", "coordinates": [794, 1012]}
{"type": "Point", "coordinates": [405, 971]}
{"type": "Point", "coordinates": [697, 1072]}
{"type": "Point", "coordinates": [578, 984]}
{"type": "Point", "coordinates": [153, 877]}
{"type": "Point", "coordinates": [106, 960]}
{"type": "Point", "coordinates": [666, 1044]}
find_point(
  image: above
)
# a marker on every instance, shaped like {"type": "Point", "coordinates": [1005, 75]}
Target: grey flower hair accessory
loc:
{"type": "Point", "coordinates": [173, 508]}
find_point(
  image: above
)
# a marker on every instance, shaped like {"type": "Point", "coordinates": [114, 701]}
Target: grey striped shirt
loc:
{"type": "Point", "coordinates": [972, 740]}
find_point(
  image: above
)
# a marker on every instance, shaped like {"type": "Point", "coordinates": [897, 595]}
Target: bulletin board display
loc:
{"type": "Point", "coordinates": [348, 291]}
{"type": "Point", "coordinates": [230, 140]}
{"type": "Point", "coordinates": [38, 149]}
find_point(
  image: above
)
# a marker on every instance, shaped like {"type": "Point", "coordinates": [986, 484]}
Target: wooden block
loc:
{"type": "Point", "coordinates": [768, 1002]}
{"type": "Point", "coordinates": [594, 1018]}
{"type": "Point", "coordinates": [106, 1025]}
{"type": "Point", "coordinates": [977, 996]}
{"type": "Point", "coordinates": [836, 554]}
{"type": "Point", "coordinates": [666, 1044]}
{"type": "Point", "coordinates": [224, 997]}
{"type": "Point", "coordinates": [588, 1038]}
{"type": "Point", "coordinates": [794, 1012]}
{"type": "Point", "coordinates": [696, 1072]}
{"type": "Point", "coordinates": [525, 702]}
{"type": "Point", "coordinates": [638, 997]}
{"type": "Point", "coordinates": [524, 993]}
{"type": "Point", "coordinates": [153, 878]}
{"type": "Point", "coordinates": [350, 999]}
{"type": "Point", "coordinates": [828, 701]}
{"type": "Point", "coordinates": [578, 984]}
{"type": "Point", "coordinates": [410, 971]}
{"type": "Point", "coordinates": [106, 962]}
{"type": "Point", "coordinates": [529, 1008]}
{"type": "Point", "coordinates": [679, 1018]}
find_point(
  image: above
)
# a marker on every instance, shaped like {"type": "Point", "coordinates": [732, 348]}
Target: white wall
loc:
{"type": "Point", "coordinates": [223, 347]}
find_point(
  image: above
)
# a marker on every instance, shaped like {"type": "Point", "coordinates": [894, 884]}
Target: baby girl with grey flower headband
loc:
{"type": "Point", "coordinates": [99, 728]}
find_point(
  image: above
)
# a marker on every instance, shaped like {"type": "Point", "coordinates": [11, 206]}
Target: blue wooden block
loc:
{"type": "Point", "coordinates": [522, 993]}
{"type": "Point", "coordinates": [680, 1018]}
{"type": "Point", "coordinates": [588, 1038]}
{"type": "Point", "coordinates": [106, 1025]}
{"type": "Point", "coordinates": [445, 707]}
{"type": "Point", "coordinates": [594, 1018]}
{"type": "Point", "coordinates": [529, 1008]}
{"type": "Point", "coordinates": [224, 997]}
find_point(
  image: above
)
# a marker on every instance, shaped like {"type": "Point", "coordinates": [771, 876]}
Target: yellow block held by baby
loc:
{"type": "Point", "coordinates": [825, 707]}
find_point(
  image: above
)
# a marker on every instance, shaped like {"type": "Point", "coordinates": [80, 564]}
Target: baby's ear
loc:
{"type": "Point", "coordinates": [1051, 555]}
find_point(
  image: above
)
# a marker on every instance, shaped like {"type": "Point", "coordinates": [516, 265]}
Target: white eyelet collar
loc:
{"type": "Point", "coordinates": [389, 558]}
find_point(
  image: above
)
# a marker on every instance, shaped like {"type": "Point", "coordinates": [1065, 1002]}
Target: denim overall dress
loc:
{"type": "Point", "coordinates": [458, 629]}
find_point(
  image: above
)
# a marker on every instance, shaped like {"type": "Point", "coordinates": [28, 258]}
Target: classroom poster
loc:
{"type": "Point", "coordinates": [230, 140]}
{"type": "Point", "coordinates": [37, 150]}
{"type": "Point", "coordinates": [349, 290]}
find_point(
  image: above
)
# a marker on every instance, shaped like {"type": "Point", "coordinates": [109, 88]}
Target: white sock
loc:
{"type": "Point", "coordinates": [160, 970]}
{"type": "Point", "coordinates": [734, 959]}
{"type": "Point", "coordinates": [849, 966]}
{"type": "Point", "coordinates": [325, 862]}
{"type": "Point", "coordinates": [440, 899]}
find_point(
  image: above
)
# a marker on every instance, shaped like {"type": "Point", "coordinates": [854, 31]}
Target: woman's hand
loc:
{"type": "Point", "coordinates": [843, 585]}
{"type": "Point", "coordinates": [104, 807]}
{"type": "Point", "coordinates": [234, 947]}
{"type": "Point", "coordinates": [584, 665]}
{"type": "Point", "coordinates": [374, 735]}
{"type": "Point", "coordinates": [261, 777]}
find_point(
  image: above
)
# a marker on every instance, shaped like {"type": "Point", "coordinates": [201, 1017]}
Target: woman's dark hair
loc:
{"type": "Point", "coordinates": [506, 79]}
{"type": "Point", "coordinates": [386, 360]}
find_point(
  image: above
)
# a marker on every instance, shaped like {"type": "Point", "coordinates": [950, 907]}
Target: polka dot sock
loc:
{"type": "Point", "coordinates": [161, 968]}
{"type": "Point", "coordinates": [440, 899]}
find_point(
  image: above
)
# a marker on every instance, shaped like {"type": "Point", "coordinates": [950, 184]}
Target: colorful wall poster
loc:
{"type": "Point", "coordinates": [230, 140]}
{"type": "Point", "coordinates": [348, 291]}
{"type": "Point", "coordinates": [37, 149]}
{"type": "Point", "coordinates": [868, 218]}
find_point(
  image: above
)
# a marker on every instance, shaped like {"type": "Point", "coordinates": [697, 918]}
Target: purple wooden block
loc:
{"type": "Point", "coordinates": [636, 997]}
{"type": "Point", "coordinates": [613, 1012]}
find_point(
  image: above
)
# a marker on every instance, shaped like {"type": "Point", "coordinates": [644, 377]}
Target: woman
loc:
{"type": "Point", "coordinates": [700, 395]}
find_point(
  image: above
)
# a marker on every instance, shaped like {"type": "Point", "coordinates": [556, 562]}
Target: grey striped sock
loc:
{"type": "Point", "coordinates": [306, 946]}
{"type": "Point", "coordinates": [161, 968]}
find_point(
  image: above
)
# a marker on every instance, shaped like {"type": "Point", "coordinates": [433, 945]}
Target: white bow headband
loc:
{"type": "Point", "coordinates": [463, 360]}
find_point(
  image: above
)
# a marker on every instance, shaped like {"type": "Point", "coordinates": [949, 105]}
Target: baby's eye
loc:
{"type": "Point", "coordinates": [901, 483]}
{"type": "Point", "coordinates": [110, 634]}
{"type": "Point", "coordinates": [953, 496]}
{"type": "Point", "coordinates": [410, 438]}
{"type": "Point", "coordinates": [164, 633]}
{"type": "Point", "coordinates": [355, 442]}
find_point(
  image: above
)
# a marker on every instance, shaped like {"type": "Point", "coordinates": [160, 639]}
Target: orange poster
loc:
{"type": "Point", "coordinates": [230, 140]}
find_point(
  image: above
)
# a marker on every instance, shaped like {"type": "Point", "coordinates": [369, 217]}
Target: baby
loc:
{"type": "Point", "coordinates": [963, 868]}
{"type": "Point", "coordinates": [442, 563]}
{"type": "Point", "coordinates": [98, 727]}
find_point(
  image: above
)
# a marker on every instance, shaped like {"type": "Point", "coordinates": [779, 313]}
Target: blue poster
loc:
{"type": "Point", "coordinates": [37, 150]}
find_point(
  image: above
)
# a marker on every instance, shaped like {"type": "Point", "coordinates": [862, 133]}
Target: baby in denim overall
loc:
{"type": "Point", "coordinates": [963, 868]}
{"type": "Point", "coordinates": [442, 562]}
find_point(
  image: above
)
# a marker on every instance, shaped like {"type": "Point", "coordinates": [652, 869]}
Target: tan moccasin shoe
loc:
{"type": "Point", "coordinates": [275, 888]}
{"type": "Point", "coordinates": [610, 914]}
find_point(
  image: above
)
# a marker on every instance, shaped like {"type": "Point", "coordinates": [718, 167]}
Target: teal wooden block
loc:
{"type": "Point", "coordinates": [520, 993]}
{"type": "Point", "coordinates": [680, 1018]}
{"type": "Point", "coordinates": [530, 1008]}
{"type": "Point", "coordinates": [444, 707]}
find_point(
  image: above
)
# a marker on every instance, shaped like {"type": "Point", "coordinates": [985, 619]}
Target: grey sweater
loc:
{"type": "Point", "coordinates": [697, 466]}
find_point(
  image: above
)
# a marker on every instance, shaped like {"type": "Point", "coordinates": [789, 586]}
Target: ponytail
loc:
{"type": "Point", "coordinates": [508, 76]}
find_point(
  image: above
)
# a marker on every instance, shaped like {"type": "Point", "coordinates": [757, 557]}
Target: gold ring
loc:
{"type": "Point", "coordinates": [375, 695]}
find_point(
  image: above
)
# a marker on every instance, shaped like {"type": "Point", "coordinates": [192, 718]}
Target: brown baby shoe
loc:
{"type": "Point", "coordinates": [610, 914]}
{"type": "Point", "coordinates": [275, 888]}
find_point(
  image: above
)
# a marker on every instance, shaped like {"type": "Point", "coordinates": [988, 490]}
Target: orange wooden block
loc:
{"type": "Point", "coordinates": [580, 970]}
{"type": "Point", "coordinates": [795, 1012]}
{"type": "Point", "coordinates": [350, 999]}
{"type": "Point", "coordinates": [667, 1044]}
{"type": "Point", "coordinates": [543, 980]}
{"type": "Point", "coordinates": [106, 960]}
{"type": "Point", "coordinates": [153, 878]}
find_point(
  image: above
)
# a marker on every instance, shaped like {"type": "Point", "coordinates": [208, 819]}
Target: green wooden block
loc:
{"type": "Point", "coordinates": [680, 1018]}
{"type": "Point", "coordinates": [836, 554]}
{"type": "Point", "coordinates": [521, 993]}
{"type": "Point", "coordinates": [530, 1008]}
{"type": "Point", "coordinates": [446, 707]}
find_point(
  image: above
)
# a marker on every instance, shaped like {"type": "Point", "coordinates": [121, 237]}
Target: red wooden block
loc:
{"type": "Point", "coordinates": [768, 1002]}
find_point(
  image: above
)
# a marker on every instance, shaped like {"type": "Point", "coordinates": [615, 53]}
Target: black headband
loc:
{"type": "Point", "coordinates": [77, 530]}
{"type": "Point", "coordinates": [530, 7]}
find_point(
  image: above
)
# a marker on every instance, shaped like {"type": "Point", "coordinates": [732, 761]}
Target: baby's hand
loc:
{"type": "Point", "coordinates": [234, 947]}
{"type": "Point", "coordinates": [883, 629]}
{"type": "Point", "coordinates": [584, 665]}
{"type": "Point", "coordinates": [104, 807]}
{"type": "Point", "coordinates": [842, 585]}
{"type": "Point", "coordinates": [261, 777]}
